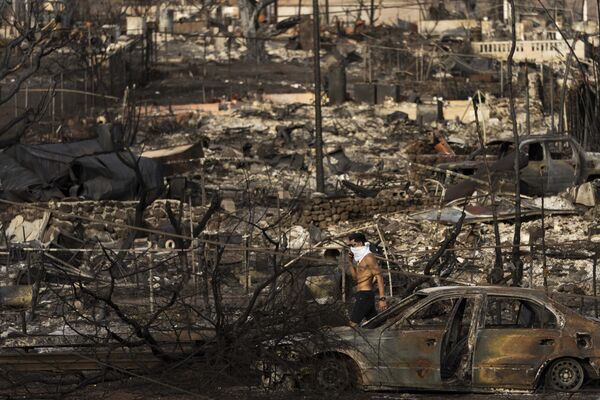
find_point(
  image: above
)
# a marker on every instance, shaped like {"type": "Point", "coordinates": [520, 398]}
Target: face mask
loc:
{"type": "Point", "coordinates": [360, 252]}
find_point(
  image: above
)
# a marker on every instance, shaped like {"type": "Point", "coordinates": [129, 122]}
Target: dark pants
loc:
{"type": "Point", "coordinates": [364, 306]}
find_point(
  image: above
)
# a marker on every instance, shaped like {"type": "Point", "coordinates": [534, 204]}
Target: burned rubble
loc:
{"type": "Point", "coordinates": [170, 197]}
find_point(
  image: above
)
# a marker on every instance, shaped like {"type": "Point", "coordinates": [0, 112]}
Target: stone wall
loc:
{"type": "Point", "coordinates": [324, 211]}
{"type": "Point", "coordinates": [64, 217]}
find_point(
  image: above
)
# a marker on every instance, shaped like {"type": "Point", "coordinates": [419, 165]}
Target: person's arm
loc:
{"type": "Point", "coordinates": [374, 266]}
{"type": "Point", "coordinates": [351, 266]}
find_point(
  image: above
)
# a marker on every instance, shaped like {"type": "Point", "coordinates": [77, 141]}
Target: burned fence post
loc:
{"type": "Point", "coordinates": [204, 69]}
{"type": "Point", "coordinates": [204, 272]}
{"type": "Point", "coordinates": [594, 287]}
{"type": "Point", "coordinates": [229, 75]}
{"type": "Point", "coordinates": [532, 264]}
{"type": "Point", "coordinates": [136, 271]}
{"type": "Point", "coordinates": [421, 63]}
{"type": "Point", "coordinates": [62, 94]}
{"type": "Point", "coordinates": [246, 263]}
{"type": "Point", "coordinates": [151, 282]}
{"type": "Point", "coordinates": [23, 315]}
{"type": "Point", "coordinates": [342, 265]}
{"type": "Point", "coordinates": [147, 53]}
{"type": "Point", "coordinates": [366, 61]}
{"type": "Point", "coordinates": [417, 68]}
{"type": "Point", "coordinates": [501, 78]}
{"type": "Point", "coordinates": [528, 117]}
{"type": "Point", "coordinates": [552, 98]}
{"type": "Point", "coordinates": [544, 264]}
{"type": "Point", "coordinates": [192, 241]}
{"type": "Point", "coordinates": [53, 112]}
{"type": "Point", "coordinates": [85, 89]}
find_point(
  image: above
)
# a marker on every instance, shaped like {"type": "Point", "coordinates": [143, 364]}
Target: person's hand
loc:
{"type": "Point", "coordinates": [382, 304]}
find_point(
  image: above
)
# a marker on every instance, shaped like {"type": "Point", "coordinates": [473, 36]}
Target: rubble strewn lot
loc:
{"type": "Point", "coordinates": [162, 210]}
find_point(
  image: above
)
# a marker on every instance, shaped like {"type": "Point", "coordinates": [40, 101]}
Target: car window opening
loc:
{"type": "Point", "coordinates": [536, 152]}
{"type": "Point", "coordinates": [511, 313]}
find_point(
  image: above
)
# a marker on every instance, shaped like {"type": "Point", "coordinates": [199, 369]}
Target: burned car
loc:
{"type": "Point", "coordinates": [548, 165]}
{"type": "Point", "coordinates": [481, 339]}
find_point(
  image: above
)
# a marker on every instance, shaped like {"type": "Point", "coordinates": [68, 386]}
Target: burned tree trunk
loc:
{"type": "Point", "coordinates": [249, 14]}
{"type": "Point", "coordinates": [496, 273]}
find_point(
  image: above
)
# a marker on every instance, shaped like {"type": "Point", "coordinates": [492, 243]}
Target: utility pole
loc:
{"type": "Point", "coordinates": [516, 251]}
{"type": "Point", "coordinates": [317, 71]}
{"type": "Point", "coordinates": [372, 15]}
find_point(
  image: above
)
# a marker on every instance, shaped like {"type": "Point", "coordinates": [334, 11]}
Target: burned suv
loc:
{"type": "Point", "coordinates": [548, 165]}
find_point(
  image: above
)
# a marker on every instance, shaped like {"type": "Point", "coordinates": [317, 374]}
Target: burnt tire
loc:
{"type": "Point", "coordinates": [565, 375]}
{"type": "Point", "coordinates": [333, 374]}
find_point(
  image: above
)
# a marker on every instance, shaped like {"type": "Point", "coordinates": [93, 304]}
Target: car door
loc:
{"type": "Point", "coordinates": [535, 174]}
{"type": "Point", "coordinates": [563, 165]}
{"type": "Point", "coordinates": [410, 348]}
{"type": "Point", "coordinates": [458, 344]}
{"type": "Point", "coordinates": [515, 337]}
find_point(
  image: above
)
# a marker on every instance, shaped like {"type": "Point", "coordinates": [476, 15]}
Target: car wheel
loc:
{"type": "Point", "coordinates": [333, 374]}
{"type": "Point", "coordinates": [565, 375]}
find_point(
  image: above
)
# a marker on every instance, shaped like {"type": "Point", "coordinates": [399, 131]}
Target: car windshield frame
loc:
{"type": "Point", "coordinates": [395, 311]}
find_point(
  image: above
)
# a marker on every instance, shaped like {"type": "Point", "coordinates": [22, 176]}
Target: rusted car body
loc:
{"type": "Point", "coordinates": [550, 163]}
{"type": "Point", "coordinates": [466, 339]}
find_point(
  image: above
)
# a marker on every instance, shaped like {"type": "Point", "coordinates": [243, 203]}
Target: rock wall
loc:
{"type": "Point", "coordinates": [323, 212]}
{"type": "Point", "coordinates": [64, 218]}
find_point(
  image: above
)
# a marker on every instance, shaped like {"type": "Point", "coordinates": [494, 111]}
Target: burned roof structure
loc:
{"type": "Point", "coordinates": [91, 169]}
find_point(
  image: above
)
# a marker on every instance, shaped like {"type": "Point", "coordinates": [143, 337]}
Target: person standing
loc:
{"type": "Point", "coordinates": [363, 268]}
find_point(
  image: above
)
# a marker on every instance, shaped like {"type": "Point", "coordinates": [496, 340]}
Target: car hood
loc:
{"type": "Point", "coordinates": [343, 331]}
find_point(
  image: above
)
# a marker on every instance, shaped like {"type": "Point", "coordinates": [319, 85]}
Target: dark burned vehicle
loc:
{"type": "Point", "coordinates": [481, 339]}
{"type": "Point", "coordinates": [548, 164]}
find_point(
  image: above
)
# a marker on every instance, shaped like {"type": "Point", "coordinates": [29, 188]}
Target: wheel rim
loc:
{"type": "Point", "coordinates": [333, 375]}
{"type": "Point", "coordinates": [567, 375]}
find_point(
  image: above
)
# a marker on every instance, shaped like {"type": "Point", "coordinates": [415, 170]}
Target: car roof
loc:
{"type": "Point", "coordinates": [540, 138]}
{"type": "Point", "coordinates": [500, 290]}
